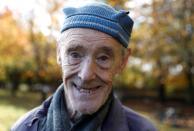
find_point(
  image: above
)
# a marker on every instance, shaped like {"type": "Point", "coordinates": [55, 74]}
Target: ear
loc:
{"type": "Point", "coordinates": [58, 54]}
{"type": "Point", "coordinates": [124, 60]}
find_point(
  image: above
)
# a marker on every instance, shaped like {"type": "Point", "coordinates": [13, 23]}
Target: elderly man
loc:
{"type": "Point", "coordinates": [91, 51]}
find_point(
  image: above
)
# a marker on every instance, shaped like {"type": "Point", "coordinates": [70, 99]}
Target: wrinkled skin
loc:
{"type": "Point", "coordinates": [89, 60]}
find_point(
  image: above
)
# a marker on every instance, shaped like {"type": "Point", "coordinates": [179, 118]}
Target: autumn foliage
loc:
{"type": "Point", "coordinates": [162, 48]}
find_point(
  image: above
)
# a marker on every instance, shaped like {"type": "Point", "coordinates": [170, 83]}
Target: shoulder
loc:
{"type": "Point", "coordinates": [137, 121]}
{"type": "Point", "coordinates": [22, 123]}
{"type": "Point", "coordinates": [122, 117]}
{"type": "Point", "coordinates": [28, 122]}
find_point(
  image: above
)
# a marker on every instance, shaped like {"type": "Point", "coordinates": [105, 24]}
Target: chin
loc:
{"type": "Point", "coordinates": [87, 108]}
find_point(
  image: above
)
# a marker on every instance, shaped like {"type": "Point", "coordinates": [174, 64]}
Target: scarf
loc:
{"type": "Point", "coordinates": [58, 118]}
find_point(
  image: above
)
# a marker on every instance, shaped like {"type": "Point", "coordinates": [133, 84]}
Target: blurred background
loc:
{"type": "Point", "coordinates": [158, 81]}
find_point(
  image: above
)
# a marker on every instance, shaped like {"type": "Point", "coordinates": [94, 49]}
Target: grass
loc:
{"type": "Point", "coordinates": [162, 126]}
{"type": "Point", "coordinates": [11, 108]}
{"type": "Point", "coordinates": [8, 115]}
{"type": "Point", "coordinates": [151, 109]}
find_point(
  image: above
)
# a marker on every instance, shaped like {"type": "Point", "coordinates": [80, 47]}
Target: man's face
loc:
{"type": "Point", "coordinates": [89, 61]}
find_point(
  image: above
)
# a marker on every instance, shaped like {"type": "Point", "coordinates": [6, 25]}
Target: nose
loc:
{"type": "Point", "coordinates": [87, 71]}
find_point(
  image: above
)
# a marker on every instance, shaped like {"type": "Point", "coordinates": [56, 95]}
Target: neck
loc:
{"type": "Point", "coordinates": [73, 114]}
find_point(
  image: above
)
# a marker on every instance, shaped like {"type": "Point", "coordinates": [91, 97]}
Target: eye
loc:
{"type": "Point", "coordinates": [104, 61]}
{"type": "Point", "coordinates": [74, 57]}
{"type": "Point", "coordinates": [103, 58]}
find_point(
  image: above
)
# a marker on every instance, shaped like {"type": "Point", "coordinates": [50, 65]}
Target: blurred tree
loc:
{"type": "Point", "coordinates": [165, 38]}
{"type": "Point", "coordinates": [118, 4]}
{"type": "Point", "coordinates": [178, 17]}
{"type": "Point", "coordinates": [26, 54]}
{"type": "Point", "coordinates": [44, 57]}
{"type": "Point", "coordinates": [13, 47]}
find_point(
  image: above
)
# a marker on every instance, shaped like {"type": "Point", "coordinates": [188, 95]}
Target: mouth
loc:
{"type": "Point", "coordinates": [86, 90]}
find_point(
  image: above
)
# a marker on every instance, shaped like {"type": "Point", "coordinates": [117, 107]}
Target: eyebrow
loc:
{"type": "Point", "coordinates": [75, 47]}
{"type": "Point", "coordinates": [107, 50]}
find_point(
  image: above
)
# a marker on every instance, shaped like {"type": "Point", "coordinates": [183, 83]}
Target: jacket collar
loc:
{"type": "Point", "coordinates": [116, 119]}
{"type": "Point", "coordinates": [40, 112]}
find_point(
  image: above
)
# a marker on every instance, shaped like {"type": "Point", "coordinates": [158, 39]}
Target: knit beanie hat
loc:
{"type": "Point", "coordinates": [101, 17]}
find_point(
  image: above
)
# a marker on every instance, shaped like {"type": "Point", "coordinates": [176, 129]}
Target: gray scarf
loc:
{"type": "Point", "coordinates": [58, 118]}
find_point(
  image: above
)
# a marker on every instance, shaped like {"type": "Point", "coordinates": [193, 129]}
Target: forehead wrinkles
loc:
{"type": "Point", "coordinates": [84, 34]}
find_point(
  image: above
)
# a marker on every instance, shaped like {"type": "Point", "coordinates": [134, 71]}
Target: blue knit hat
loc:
{"type": "Point", "coordinates": [100, 17]}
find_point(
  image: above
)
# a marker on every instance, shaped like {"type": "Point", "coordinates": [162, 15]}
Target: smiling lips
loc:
{"type": "Point", "coordinates": [86, 90]}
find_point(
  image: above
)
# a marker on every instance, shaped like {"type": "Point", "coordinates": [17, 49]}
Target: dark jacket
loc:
{"type": "Point", "coordinates": [119, 118]}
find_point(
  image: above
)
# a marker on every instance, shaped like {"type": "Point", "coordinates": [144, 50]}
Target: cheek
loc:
{"type": "Point", "coordinates": [69, 71]}
{"type": "Point", "coordinates": [105, 75]}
